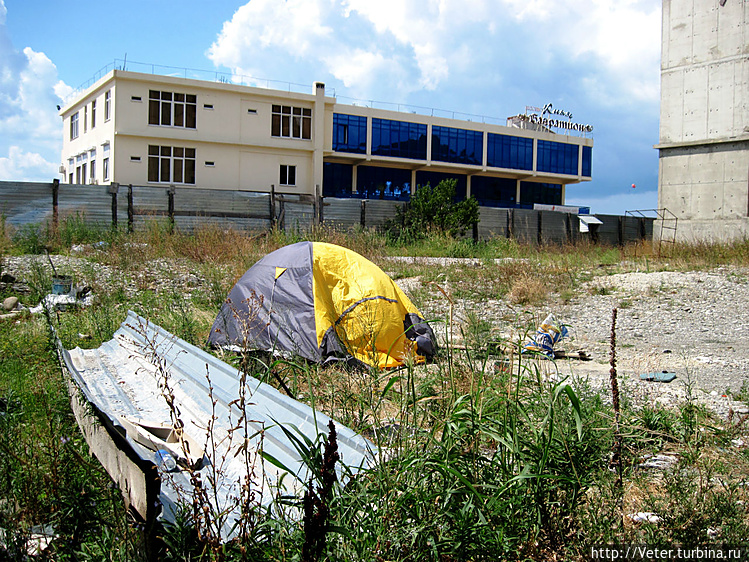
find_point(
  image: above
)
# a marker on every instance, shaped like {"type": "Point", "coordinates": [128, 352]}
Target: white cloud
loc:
{"type": "Point", "coordinates": [612, 44]}
{"type": "Point", "coordinates": [30, 127]}
{"type": "Point", "coordinates": [26, 166]}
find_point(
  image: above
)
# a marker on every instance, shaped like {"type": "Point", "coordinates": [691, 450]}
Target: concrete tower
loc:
{"type": "Point", "coordinates": [704, 124]}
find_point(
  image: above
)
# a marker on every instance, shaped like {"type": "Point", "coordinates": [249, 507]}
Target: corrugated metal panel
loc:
{"type": "Point", "coordinates": [207, 204]}
{"type": "Point", "coordinates": [151, 204]}
{"type": "Point", "coordinates": [608, 232]}
{"type": "Point", "coordinates": [342, 213]}
{"type": "Point", "coordinates": [492, 222]}
{"type": "Point", "coordinates": [25, 202]}
{"type": "Point", "coordinates": [298, 216]}
{"type": "Point", "coordinates": [92, 202]}
{"type": "Point", "coordinates": [553, 227]}
{"type": "Point", "coordinates": [525, 226]}
{"type": "Point", "coordinates": [631, 232]}
{"type": "Point", "coordinates": [378, 212]}
{"type": "Point", "coordinates": [122, 379]}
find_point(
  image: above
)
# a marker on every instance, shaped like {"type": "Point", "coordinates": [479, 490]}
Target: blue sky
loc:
{"type": "Point", "coordinates": [597, 59]}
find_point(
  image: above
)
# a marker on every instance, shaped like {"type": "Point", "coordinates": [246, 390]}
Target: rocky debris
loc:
{"type": "Point", "coordinates": [645, 517]}
{"type": "Point", "coordinates": [688, 323]}
{"type": "Point", "coordinates": [658, 462]}
{"type": "Point", "coordinates": [10, 303]}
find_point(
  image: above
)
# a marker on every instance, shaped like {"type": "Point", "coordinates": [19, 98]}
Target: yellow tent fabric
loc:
{"type": "Point", "coordinates": [362, 304]}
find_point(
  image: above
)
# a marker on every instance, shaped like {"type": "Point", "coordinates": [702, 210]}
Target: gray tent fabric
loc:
{"type": "Point", "coordinates": [245, 317]}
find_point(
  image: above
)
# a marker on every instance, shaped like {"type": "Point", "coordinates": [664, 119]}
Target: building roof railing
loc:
{"type": "Point", "coordinates": [193, 74]}
{"type": "Point", "coordinates": [421, 110]}
{"type": "Point", "coordinates": [244, 80]}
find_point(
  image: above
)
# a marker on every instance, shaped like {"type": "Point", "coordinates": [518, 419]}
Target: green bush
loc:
{"type": "Point", "coordinates": [434, 209]}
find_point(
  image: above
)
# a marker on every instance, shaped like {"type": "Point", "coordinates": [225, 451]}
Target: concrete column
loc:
{"type": "Point", "coordinates": [369, 137]}
{"type": "Point", "coordinates": [318, 132]}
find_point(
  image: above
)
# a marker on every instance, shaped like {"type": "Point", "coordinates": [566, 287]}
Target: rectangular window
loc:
{"type": "Point", "coordinates": [505, 151]}
{"type": "Point", "coordinates": [587, 161]}
{"type": "Point", "coordinates": [291, 122]}
{"type": "Point", "coordinates": [74, 126]}
{"type": "Point", "coordinates": [207, 106]}
{"type": "Point", "coordinates": [171, 164]}
{"type": "Point", "coordinates": [557, 157]}
{"type": "Point", "coordinates": [400, 139]}
{"type": "Point", "coordinates": [93, 171]}
{"type": "Point", "coordinates": [93, 114]}
{"type": "Point", "coordinates": [83, 173]}
{"type": "Point", "coordinates": [171, 109]}
{"type": "Point", "coordinates": [460, 146]}
{"type": "Point", "coordinates": [349, 133]}
{"type": "Point", "coordinates": [105, 168]}
{"type": "Point", "coordinates": [85, 118]}
{"type": "Point", "coordinates": [288, 175]}
{"type": "Point", "coordinates": [107, 105]}
{"type": "Point", "coordinates": [78, 175]}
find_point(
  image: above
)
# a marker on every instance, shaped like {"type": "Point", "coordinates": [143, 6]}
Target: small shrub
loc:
{"type": "Point", "coordinates": [434, 209]}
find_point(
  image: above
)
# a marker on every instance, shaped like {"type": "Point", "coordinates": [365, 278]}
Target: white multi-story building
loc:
{"type": "Point", "coordinates": [146, 129]}
{"type": "Point", "coordinates": [704, 126]}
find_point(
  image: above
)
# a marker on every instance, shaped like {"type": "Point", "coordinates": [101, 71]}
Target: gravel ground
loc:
{"type": "Point", "coordinates": [694, 324]}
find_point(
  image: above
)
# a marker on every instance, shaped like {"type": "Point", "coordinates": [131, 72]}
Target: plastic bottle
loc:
{"type": "Point", "coordinates": [165, 461]}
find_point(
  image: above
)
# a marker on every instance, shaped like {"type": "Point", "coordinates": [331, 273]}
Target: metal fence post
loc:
{"type": "Point", "coordinates": [170, 211]}
{"type": "Point", "coordinates": [113, 190]}
{"type": "Point", "coordinates": [55, 201]}
{"type": "Point", "coordinates": [272, 209]}
{"type": "Point", "coordinates": [130, 209]}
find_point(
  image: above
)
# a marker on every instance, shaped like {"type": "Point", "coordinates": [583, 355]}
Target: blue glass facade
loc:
{"type": "Point", "coordinates": [504, 151]}
{"type": "Point", "coordinates": [494, 192]}
{"type": "Point", "coordinates": [349, 133]}
{"type": "Point", "coordinates": [433, 178]}
{"type": "Point", "coordinates": [399, 139]}
{"type": "Point", "coordinates": [587, 161]}
{"type": "Point", "coordinates": [460, 146]}
{"type": "Point", "coordinates": [557, 157]}
{"type": "Point", "coordinates": [336, 179]}
{"type": "Point", "coordinates": [374, 182]}
{"type": "Point", "coordinates": [546, 193]}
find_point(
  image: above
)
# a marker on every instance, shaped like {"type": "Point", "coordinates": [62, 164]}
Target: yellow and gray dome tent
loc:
{"type": "Point", "coordinates": [325, 303]}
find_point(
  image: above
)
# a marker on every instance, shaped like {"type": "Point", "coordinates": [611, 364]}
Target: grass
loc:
{"type": "Point", "coordinates": [488, 456]}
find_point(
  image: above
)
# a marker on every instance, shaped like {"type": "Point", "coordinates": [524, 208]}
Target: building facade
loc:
{"type": "Point", "coordinates": [146, 129]}
{"type": "Point", "coordinates": [704, 122]}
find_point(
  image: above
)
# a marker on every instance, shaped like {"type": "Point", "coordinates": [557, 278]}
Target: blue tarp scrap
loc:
{"type": "Point", "coordinates": [546, 337]}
